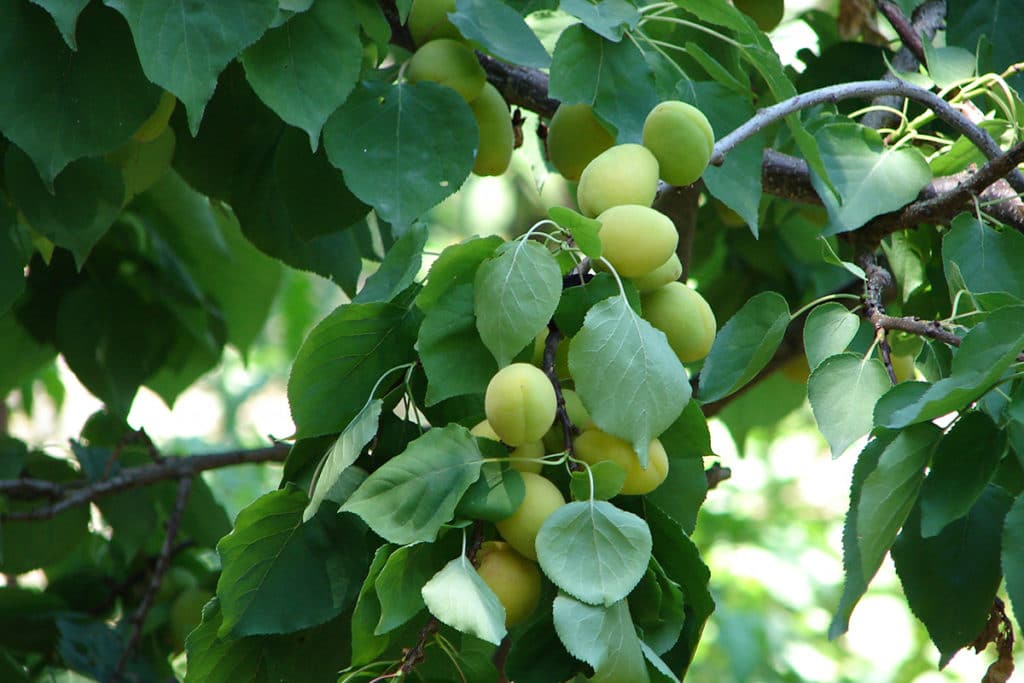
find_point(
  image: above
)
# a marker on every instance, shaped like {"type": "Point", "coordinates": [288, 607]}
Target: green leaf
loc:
{"type": "Point", "coordinates": [409, 497]}
{"type": "Point", "coordinates": [656, 605]}
{"type": "Point", "coordinates": [890, 490]}
{"type": "Point", "coordinates": [688, 436]}
{"type": "Point", "coordinates": [870, 178]}
{"type": "Point", "coordinates": [454, 357]}
{"type": "Point", "coordinates": [842, 391]}
{"type": "Point", "coordinates": [587, 69]}
{"type": "Point", "coordinates": [240, 279]}
{"type": "Point", "coordinates": [270, 552]}
{"type": "Point", "coordinates": [84, 202]}
{"type": "Point", "coordinates": [964, 463]}
{"type": "Point", "coordinates": [342, 359]}
{"type": "Point", "coordinates": [366, 646]}
{"type": "Point", "coordinates": [744, 346]}
{"type": "Point", "coordinates": [399, 268]}
{"type": "Point", "coordinates": [985, 21]}
{"type": "Point", "coordinates": [60, 105]}
{"type": "Point", "coordinates": [602, 636]}
{"type": "Point", "coordinates": [594, 551]}
{"type": "Point", "coordinates": [618, 358]}
{"type": "Point", "coordinates": [501, 31]}
{"type": "Point", "coordinates": [577, 301]}
{"type": "Point", "coordinates": [65, 14]}
{"type": "Point", "coordinates": [306, 68]}
{"type": "Point", "coordinates": [600, 481]}
{"type": "Point", "coordinates": [828, 332]}
{"type": "Point", "coordinates": [985, 353]}
{"type": "Point", "coordinates": [1013, 557]}
{"type": "Point", "coordinates": [406, 571]}
{"type": "Point", "coordinates": [403, 148]}
{"type": "Point", "coordinates": [455, 266]}
{"type": "Point", "coordinates": [949, 65]}
{"type": "Point", "coordinates": [359, 432]}
{"type": "Point", "coordinates": [683, 491]}
{"type": "Point", "coordinates": [951, 580]}
{"type": "Point", "coordinates": [583, 230]}
{"type": "Point", "coordinates": [183, 46]}
{"type": "Point", "coordinates": [458, 597]}
{"type": "Point", "coordinates": [515, 295]}
{"type": "Point", "coordinates": [609, 19]}
{"type": "Point", "coordinates": [496, 494]}
{"type": "Point", "coordinates": [989, 260]}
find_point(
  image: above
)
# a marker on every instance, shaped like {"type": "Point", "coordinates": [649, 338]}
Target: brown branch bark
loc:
{"type": "Point", "coordinates": [169, 468]}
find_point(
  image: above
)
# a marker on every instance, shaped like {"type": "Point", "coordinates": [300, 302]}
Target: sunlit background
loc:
{"type": "Point", "coordinates": [771, 534]}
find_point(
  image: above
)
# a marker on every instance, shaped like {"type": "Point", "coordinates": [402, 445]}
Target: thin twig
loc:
{"type": "Point", "coordinates": [500, 657]}
{"type": "Point", "coordinates": [877, 280]}
{"type": "Point", "coordinates": [716, 474]}
{"type": "Point", "coordinates": [904, 29]}
{"type": "Point", "coordinates": [679, 203]}
{"type": "Point", "coordinates": [134, 477]}
{"type": "Point", "coordinates": [569, 430]}
{"type": "Point", "coordinates": [162, 563]}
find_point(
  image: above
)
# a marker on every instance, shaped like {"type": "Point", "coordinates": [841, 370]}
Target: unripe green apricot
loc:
{"type": "Point", "coordinates": [681, 139]}
{"type": "Point", "coordinates": [766, 13]}
{"type": "Point", "coordinates": [152, 127]}
{"type": "Point", "coordinates": [186, 613]}
{"type": "Point", "coordinates": [667, 272]}
{"type": "Point", "coordinates": [685, 318]}
{"type": "Point", "coordinates": [594, 446]}
{"type": "Point", "coordinates": [520, 403]}
{"type": "Point", "coordinates": [623, 174]}
{"type": "Point", "coordinates": [522, 457]}
{"type": "Point", "coordinates": [903, 367]}
{"type": "Point", "coordinates": [497, 140]}
{"type": "Point", "coordinates": [512, 577]}
{"type": "Point", "coordinates": [428, 20]}
{"type": "Point", "coordinates": [636, 239]}
{"type": "Point", "coordinates": [575, 137]}
{"type": "Point", "coordinates": [449, 63]}
{"type": "Point", "coordinates": [540, 500]}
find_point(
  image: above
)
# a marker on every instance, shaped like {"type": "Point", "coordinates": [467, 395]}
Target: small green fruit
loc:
{"type": "Point", "coordinates": [669, 271]}
{"type": "Point", "coordinates": [152, 127]}
{"type": "Point", "coordinates": [685, 318]}
{"type": "Point", "coordinates": [594, 446]}
{"type": "Point", "coordinates": [681, 139]}
{"type": "Point", "coordinates": [766, 13]}
{"type": "Point", "coordinates": [449, 63]}
{"type": "Point", "coordinates": [512, 577]}
{"type": "Point", "coordinates": [540, 500]}
{"type": "Point", "coordinates": [520, 403]}
{"type": "Point", "coordinates": [636, 239]}
{"type": "Point", "coordinates": [623, 174]}
{"type": "Point", "coordinates": [428, 20]}
{"type": "Point", "coordinates": [497, 140]}
{"type": "Point", "coordinates": [522, 457]}
{"type": "Point", "coordinates": [575, 137]}
{"type": "Point", "coordinates": [187, 613]}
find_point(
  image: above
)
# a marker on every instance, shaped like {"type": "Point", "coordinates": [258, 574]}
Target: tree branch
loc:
{"type": "Point", "coordinates": [169, 468]}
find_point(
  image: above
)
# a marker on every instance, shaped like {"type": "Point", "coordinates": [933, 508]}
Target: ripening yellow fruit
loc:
{"type": "Point", "coordinates": [594, 446]}
{"type": "Point", "coordinates": [623, 174]}
{"type": "Point", "coordinates": [152, 127]}
{"type": "Point", "coordinates": [669, 271]}
{"type": "Point", "coordinates": [512, 577]}
{"type": "Point", "coordinates": [636, 239]}
{"type": "Point", "coordinates": [903, 367]}
{"type": "Point", "coordinates": [520, 529]}
{"type": "Point", "coordinates": [520, 403]}
{"type": "Point", "coordinates": [766, 13]}
{"type": "Point", "coordinates": [428, 20]}
{"type": "Point", "coordinates": [522, 457]}
{"type": "Point", "coordinates": [685, 318]}
{"type": "Point", "coordinates": [575, 137]}
{"type": "Point", "coordinates": [497, 140]}
{"type": "Point", "coordinates": [680, 138]}
{"type": "Point", "coordinates": [449, 63]}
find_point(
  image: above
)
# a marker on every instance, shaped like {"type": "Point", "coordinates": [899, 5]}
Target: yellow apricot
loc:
{"type": "Point", "coordinates": [520, 403]}
{"type": "Point", "coordinates": [681, 139]}
{"type": "Point", "coordinates": [520, 529]}
{"type": "Point", "coordinates": [594, 446]}
{"type": "Point", "coordinates": [512, 577]}
{"type": "Point", "coordinates": [449, 63]}
{"type": "Point", "coordinates": [494, 123]}
{"type": "Point", "coordinates": [636, 239]}
{"type": "Point", "coordinates": [623, 174]}
{"type": "Point", "coordinates": [667, 272]}
{"type": "Point", "coordinates": [575, 137]}
{"type": "Point", "coordinates": [685, 318]}
{"type": "Point", "coordinates": [522, 457]}
{"type": "Point", "coordinates": [428, 20]}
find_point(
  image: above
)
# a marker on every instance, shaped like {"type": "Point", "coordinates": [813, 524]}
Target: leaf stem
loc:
{"type": "Point", "coordinates": [820, 300]}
